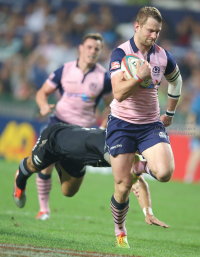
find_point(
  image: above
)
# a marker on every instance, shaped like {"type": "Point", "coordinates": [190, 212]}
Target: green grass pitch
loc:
{"type": "Point", "coordinates": [84, 222]}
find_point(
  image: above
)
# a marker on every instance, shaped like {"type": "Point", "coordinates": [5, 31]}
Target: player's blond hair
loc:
{"type": "Point", "coordinates": [95, 36]}
{"type": "Point", "coordinates": [148, 12]}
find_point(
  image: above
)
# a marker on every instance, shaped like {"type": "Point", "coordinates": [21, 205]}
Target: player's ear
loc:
{"type": "Point", "coordinates": [80, 48]}
{"type": "Point", "coordinates": [136, 26]}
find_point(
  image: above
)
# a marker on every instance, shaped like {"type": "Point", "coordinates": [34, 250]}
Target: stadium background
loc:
{"type": "Point", "coordinates": [37, 37]}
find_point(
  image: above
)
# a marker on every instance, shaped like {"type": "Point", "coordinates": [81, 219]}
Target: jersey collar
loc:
{"type": "Point", "coordinates": [135, 49]}
{"type": "Point", "coordinates": [91, 70]}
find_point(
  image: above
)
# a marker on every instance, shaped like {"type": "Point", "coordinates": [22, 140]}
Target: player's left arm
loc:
{"type": "Point", "coordinates": [107, 98]}
{"type": "Point", "coordinates": [141, 190]}
{"type": "Point", "coordinates": [173, 76]}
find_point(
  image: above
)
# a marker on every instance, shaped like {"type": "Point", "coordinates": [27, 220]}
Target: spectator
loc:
{"type": "Point", "coordinates": [183, 32]}
{"type": "Point", "coordinates": [9, 45]}
{"type": "Point", "coordinates": [27, 45]}
{"type": "Point", "coordinates": [193, 122]}
{"type": "Point", "coordinates": [39, 73]}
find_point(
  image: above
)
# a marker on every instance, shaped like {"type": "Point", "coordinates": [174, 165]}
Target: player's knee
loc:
{"type": "Point", "coordinates": [123, 186]}
{"type": "Point", "coordinates": [31, 166]}
{"type": "Point", "coordinates": [165, 175]}
{"type": "Point", "coordinates": [68, 192]}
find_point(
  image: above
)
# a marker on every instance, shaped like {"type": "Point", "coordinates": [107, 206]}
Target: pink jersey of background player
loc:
{"type": "Point", "coordinates": [142, 107]}
{"type": "Point", "coordinates": [80, 92]}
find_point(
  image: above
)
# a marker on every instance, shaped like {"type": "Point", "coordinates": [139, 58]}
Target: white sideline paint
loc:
{"type": "Point", "coordinates": [99, 170]}
{"type": "Point", "coordinates": [107, 171]}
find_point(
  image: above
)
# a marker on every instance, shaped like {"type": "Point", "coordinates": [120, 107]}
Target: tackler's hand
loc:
{"type": "Point", "coordinates": [151, 220]}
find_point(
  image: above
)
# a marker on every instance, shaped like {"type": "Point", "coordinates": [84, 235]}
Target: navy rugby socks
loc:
{"type": "Point", "coordinates": [24, 174]}
{"type": "Point", "coordinates": [119, 211]}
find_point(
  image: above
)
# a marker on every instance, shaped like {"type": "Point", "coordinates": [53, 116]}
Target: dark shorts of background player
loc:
{"type": "Point", "coordinates": [43, 157]}
{"type": "Point", "coordinates": [52, 120]}
{"type": "Point", "coordinates": [124, 137]}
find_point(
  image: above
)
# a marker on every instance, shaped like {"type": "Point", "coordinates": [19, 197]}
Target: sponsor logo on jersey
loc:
{"type": "Point", "coordinates": [115, 65]}
{"type": "Point", "coordinates": [84, 97]}
{"type": "Point", "coordinates": [162, 135]}
{"type": "Point", "coordinates": [115, 146]}
{"type": "Point", "coordinates": [37, 160]}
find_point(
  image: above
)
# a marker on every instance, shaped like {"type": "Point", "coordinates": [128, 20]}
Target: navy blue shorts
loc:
{"type": "Point", "coordinates": [124, 137]}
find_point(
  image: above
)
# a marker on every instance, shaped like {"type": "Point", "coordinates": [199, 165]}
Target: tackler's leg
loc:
{"type": "Point", "coordinates": [26, 169]}
{"type": "Point", "coordinates": [71, 177]}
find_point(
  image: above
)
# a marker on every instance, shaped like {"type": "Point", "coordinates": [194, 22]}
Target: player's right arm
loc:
{"type": "Point", "coordinates": [144, 200]}
{"type": "Point", "coordinates": [123, 88]}
{"type": "Point", "coordinates": [42, 99]}
{"type": "Point", "coordinates": [50, 86]}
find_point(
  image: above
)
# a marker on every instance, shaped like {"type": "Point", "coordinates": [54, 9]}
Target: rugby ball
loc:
{"type": "Point", "coordinates": [128, 66]}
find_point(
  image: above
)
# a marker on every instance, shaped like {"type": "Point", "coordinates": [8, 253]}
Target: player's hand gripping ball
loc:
{"type": "Point", "coordinates": [129, 65]}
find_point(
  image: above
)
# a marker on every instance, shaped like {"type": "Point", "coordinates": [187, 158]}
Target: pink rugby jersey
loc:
{"type": "Point", "coordinates": [141, 107]}
{"type": "Point", "coordinates": [80, 93]}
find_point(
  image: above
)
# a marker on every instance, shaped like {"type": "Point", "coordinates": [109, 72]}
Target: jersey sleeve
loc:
{"type": "Point", "coordinates": [107, 88]}
{"type": "Point", "coordinates": [54, 78]}
{"type": "Point", "coordinates": [115, 61]}
{"type": "Point", "coordinates": [171, 64]}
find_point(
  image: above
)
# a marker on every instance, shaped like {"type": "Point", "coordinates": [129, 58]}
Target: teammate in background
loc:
{"type": "Point", "coordinates": [82, 83]}
{"type": "Point", "coordinates": [193, 121]}
{"type": "Point", "coordinates": [135, 122]}
{"type": "Point", "coordinates": [72, 148]}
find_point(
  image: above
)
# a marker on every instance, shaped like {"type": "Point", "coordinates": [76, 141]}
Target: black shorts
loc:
{"type": "Point", "coordinates": [43, 156]}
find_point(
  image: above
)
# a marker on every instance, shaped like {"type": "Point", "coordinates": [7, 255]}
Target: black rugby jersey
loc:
{"type": "Point", "coordinates": [80, 145]}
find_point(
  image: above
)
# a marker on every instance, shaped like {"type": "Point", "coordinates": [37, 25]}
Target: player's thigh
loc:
{"type": "Point", "coordinates": [71, 176]}
{"type": "Point", "coordinates": [121, 145]}
{"type": "Point", "coordinates": [52, 121]}
{"type": "Point", "coordinates": [41, 157]}
{"type": "Point", "coordinates": [121, 167]}
{"type": "Point", "coordinates": [160, 158]}
{"type": "Point", "coordinates": [70, 185]}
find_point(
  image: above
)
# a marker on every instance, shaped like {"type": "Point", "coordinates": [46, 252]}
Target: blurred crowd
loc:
{"type": "Point", "coordinates": [38, 38]}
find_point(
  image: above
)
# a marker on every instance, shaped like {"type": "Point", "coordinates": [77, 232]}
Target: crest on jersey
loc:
{"type": "Point", "coordinates": [156, 71]}
{"type": "Point", "coordinates": [93, 86]}
{"type": "Point", "coordinates": [115, 65]}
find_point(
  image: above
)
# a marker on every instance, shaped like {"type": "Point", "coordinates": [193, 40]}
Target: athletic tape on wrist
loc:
{"type": "Point", "coordinates": [170, 113]}
{"type": "Point", "coordinates": [149, 211]}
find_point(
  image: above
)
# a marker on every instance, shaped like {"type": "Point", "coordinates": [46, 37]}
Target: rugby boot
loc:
{"type": "Point", "coordinates": [121, 241]}
{"type": "Point", "coordinates": [42, 216]}
{"type": "Point", "coordinates": [19, 195]}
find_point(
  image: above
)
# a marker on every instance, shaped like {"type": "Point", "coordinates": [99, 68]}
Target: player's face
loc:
{"type": "Point", "coordinates": [90, 50]}
{"type": "Point", "coordinates": [149, 32]}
